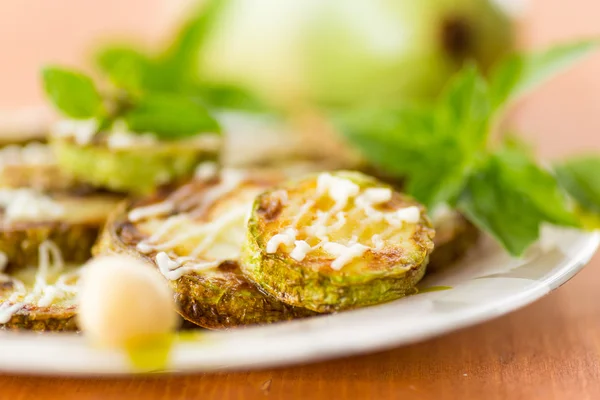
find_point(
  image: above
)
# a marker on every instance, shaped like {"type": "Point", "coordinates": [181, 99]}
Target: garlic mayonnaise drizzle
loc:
{"type": "Point", "coordinates": [51, 283]}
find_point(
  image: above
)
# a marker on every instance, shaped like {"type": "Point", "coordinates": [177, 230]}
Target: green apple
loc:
{"type": "Point", "coordinates": [340, 52]}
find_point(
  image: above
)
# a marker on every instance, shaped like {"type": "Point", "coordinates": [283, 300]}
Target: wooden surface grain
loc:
{"type": "Point", "coordinates": [548, 350]}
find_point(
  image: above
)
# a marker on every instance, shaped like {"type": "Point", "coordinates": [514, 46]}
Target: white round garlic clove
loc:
{"type": "Point", "coordinates": [124, 300]}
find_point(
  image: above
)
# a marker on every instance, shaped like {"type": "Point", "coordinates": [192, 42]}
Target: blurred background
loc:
{"type": "Point", "coordinates": [295, 53]}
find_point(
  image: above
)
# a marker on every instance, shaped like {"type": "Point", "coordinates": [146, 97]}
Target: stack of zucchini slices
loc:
{"type": "Point", "coordinates": [49, 222]}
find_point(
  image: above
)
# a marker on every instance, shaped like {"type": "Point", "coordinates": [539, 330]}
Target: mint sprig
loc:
{"type": "Point", "coordinates": [168, 116]}
{"type": "Point", "coordinates": [175, 69]}
{"type": "Point", "coordinates": [444, 152]}
{"type": "Point", "coordinates": [73, 93]}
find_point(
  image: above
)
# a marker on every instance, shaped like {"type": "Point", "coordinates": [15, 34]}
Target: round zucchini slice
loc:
{"type": "Point", "coordinates": [29, 217]}
{"type": "Point", "coordinates": [336, 241]}
{"type": "Point", "coordinates": [194, 236]}
{"type": "Point", "coordinates": [42, 297]}
{"type": "Point", "coordinates": [32, 165]}
{"type": "Point", "coordinates": [26, 160]}
{"type": "Point", "coordinates": [454, 237]}
{"type": "Point", "coordinates": [125, 162]}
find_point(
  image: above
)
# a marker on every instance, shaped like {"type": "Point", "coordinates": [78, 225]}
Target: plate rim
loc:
{"type": "Point", "coordinates": [182, 355]}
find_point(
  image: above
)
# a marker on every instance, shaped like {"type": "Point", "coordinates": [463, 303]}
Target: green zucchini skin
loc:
{"type": "Point", "coordinates": [134, 170]}
{"type": "Point", "coordinates": [44, 319]}
{"type": "Point", "coordinates": [387, 275]}
{"type": "Point", "coordinates": [20, 242]}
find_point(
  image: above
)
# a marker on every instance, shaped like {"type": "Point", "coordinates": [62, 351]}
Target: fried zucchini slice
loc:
{"type": "Point", "coordinates": [454, 236]}
{"type": "Point", "coordinates": [42, 297]}
{"type": "Point", "coordinates": [194, 236]}
{"type": "Point", "coordinates": [26, 160]}
{"type": "Point", "coordinates": [32, 165]}
{"type": "Point", "coordinates": [336, 241]}
{"type": "Point", "coordinates": [126, 162]}
{"type": "Point", "coordinates": [29, 218]}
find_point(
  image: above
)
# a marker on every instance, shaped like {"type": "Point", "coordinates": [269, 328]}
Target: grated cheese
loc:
{"type": "Point", "coordinates": [206, 171]}
{"type": "Point", "coordinates": [33, 153]}
{"type": "Point", "coordinates": [344, 254]}
{"type": "Point", "coordinates": [341, 191]}
{"type": "Point", "coordinates": [82, 130]}
{"type": "Point", "coordinates": [29, 205]}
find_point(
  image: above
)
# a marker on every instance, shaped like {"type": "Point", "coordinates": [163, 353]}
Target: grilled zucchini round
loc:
{"type": "Point", "coordinates": [336, 241]}
{"type": "Point", "coordinates": [40, 297]}
{"type": "Point", "coordinates": [28, 218]}
{"type": "Point", "coordinates": [137, 170]}
{"type": "Point", "coordinates": [194, 236]}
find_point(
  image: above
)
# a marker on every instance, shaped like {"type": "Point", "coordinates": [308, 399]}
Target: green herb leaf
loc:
{"type": "Point", "coordinates": [170, 117]}
{"type": "Point", "coordinates": [181, 58]}
{"type": "Point", "coordinates": [72, 93]}
{"type": "Point", "coordinates": [443, 152]}
{"type": "Point", "coordinates": [496, 209]}
{"type": "Point", "coordinates": [510, 197]}
{"type": "Point", "coordinates": [435, 148]}
{"type": "Point", "coordinates": [521, 73]}
{"type": "Point", "coordinates": [536, 183]}
{"type": "Point", "coordinates": [126, 67]}
{"type": "Point", "coordinates": [581, 178]}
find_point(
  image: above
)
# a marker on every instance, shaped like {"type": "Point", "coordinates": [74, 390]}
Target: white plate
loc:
{"type": "Point", "coordinates": [485, 285]}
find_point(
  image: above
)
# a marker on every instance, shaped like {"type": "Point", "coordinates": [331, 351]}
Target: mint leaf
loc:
{"type": "Point", "coordinates": [496, 209]}
{"type": "Point", "coordinates": [181, 58]}
{"type": "Point", "coordinates": [126, 67]}
{"type": "Point", "coordinates": [170, 117]}
{"type": "Point", "coordinates": [521, 73]}
{"type": "Point", "coordinates": [581, 178]}
{"type": "Point", "coordinates": [463, 110]}
{"type": "Point", "coordinates": [390, 139]}
{"type": "Point", "coordinates": [72, 93]}
{"type": "Point", "coordinates": [510, 197]}
{"type": "Point", "coordinates": [433, 147]}
{"type": "Point", "coordinates": [230, 97]}
{"type": "Point", "coordinates": [532, 181]}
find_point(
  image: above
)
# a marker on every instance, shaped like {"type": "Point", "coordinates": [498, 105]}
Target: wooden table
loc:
{"type": "Point", "coordinates": [549, 350]}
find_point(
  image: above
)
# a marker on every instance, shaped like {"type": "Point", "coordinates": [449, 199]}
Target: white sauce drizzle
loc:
{"type": "Point", "coordinates": [301, 250]}
{"type": "Point", "coordinates": [42, 294]}
{"type": "Point", "coordinates": [286, 238]}
{"type": "Point", "coordinates": [153, 210]}
{"type": "Point", "coordinates": [174, 269]}
{"type": "Point", "coordinates": [205, 236]}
